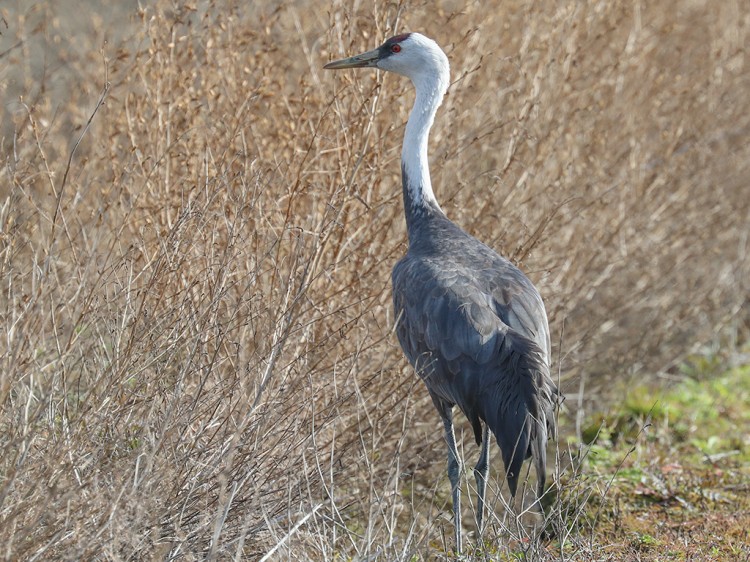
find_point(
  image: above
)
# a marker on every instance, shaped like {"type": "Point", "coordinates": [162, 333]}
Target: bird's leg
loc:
{"type": "Point", "coordinates": [454, 476]}
{"type": "Point", "coordinates": [481, 471]}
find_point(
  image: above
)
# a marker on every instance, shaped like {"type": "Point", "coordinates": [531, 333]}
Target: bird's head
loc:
{"type": "Point", "coordinates": [411, 54]}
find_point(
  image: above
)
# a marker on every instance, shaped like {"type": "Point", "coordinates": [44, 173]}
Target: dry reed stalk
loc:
{"type": "Point", "coordinates": [198, 359]}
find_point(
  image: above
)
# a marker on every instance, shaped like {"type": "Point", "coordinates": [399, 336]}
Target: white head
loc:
{"type": "Point", "coordinates": [420, 59]}
{"type": "Point", "coordinates": [412, 55]}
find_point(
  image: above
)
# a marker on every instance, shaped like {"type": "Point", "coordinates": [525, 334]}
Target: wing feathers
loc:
{"type": "Point", "coordinates": [486, 355]}
{"type": "Point", "coordinates": [515, 407]}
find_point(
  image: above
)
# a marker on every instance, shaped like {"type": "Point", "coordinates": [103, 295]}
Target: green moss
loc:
{"type": "Point", "coordinates": [670, 461]}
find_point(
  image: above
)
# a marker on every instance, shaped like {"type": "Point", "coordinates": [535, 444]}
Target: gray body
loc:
{"type": "Point", "coordinates": [475, 329]}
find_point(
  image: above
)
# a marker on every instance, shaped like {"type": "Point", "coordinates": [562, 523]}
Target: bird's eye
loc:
{"type": "Point", "coordinates": [396, 48]}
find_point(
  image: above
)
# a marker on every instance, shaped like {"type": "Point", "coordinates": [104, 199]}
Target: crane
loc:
{"type": "Point", "coordinates": [472, 325]}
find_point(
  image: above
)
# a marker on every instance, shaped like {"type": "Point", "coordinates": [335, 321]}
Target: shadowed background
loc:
{"type": "Point", "coordinates": [196, 305]}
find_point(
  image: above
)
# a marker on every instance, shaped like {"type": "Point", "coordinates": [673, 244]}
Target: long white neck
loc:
{"type": "Point", "coordinates": [418, 194]}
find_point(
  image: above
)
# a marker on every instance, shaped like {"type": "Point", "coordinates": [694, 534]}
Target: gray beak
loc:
{"type": "Point", "coordinates": [365, 60]}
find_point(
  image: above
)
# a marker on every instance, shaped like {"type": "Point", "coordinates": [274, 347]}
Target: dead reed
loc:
{"type": "Point", "coordinates": [196, 308]}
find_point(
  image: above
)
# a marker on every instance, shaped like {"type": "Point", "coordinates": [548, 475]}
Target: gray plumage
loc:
{"type": "Point", "coordinates": [471, 323]}
{"type": "Point", "coordinates": [475, 329]}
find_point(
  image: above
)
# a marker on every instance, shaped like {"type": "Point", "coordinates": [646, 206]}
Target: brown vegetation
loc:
{"type": "Point", "coordinates": [195, 272]}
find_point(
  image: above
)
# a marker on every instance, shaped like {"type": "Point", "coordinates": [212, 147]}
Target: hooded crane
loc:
{"type": "Point", "coordinates": [471, 323]}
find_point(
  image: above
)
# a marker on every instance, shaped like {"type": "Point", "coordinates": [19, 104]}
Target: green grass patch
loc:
{"type": "Point", "coordinates": [672, 468]}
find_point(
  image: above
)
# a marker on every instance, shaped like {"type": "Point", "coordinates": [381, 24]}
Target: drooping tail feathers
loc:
{"type": "Point", "coordinates": [518, 405]}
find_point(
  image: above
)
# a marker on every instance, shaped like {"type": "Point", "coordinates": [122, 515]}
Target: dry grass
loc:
{"type": "Point", "coordinates": [196, 304]}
